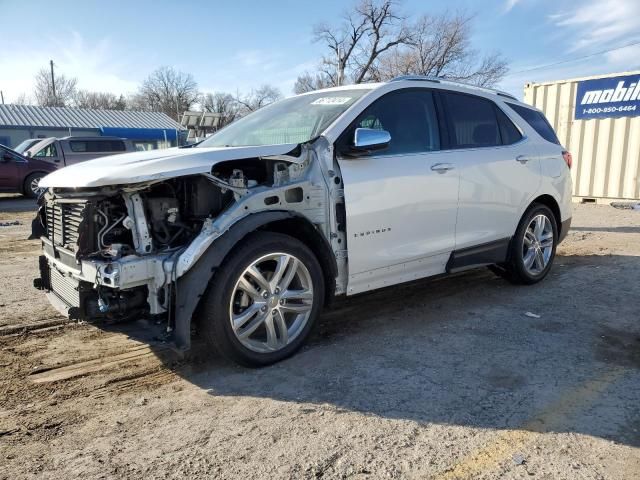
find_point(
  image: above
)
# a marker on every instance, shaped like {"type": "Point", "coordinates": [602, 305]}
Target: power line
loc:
{"type": "Point", "coordinates": [572, 60]}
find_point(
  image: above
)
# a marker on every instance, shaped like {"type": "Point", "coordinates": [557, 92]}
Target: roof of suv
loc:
{"type": "Point", "coordinates": [423, 78]}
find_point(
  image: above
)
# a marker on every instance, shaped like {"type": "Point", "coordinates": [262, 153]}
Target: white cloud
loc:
{"type": "Point", "coordinates": [96, 66]}
{"type": "Point", "coordinates": [598, 23]}
{"type": "Point", "coordinates": [509, 4]}
{"type": "Point", "coordinates": [252, 68]}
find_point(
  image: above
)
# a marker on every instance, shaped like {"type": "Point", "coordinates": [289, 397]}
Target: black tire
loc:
{"type": "Point", "coordinates": [215, 316]}
{"type": "Point", "coordinates": [28, 192]}
{"type": "Point", "coordinates": [514, 269]}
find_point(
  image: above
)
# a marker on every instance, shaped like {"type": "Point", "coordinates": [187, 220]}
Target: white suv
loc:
{"type": "Point", "coordinates": [334, 192]}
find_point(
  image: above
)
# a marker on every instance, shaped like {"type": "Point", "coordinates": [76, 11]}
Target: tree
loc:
{"type": "Point", "coordinates": [169, 91]}
{"type": "Point", "coordinates": [65, 89]}
{"type": "Point", "coordinates": [372, 28]}
{"type": "Point", "coordinates": [308, 82]}
{"type": "Point", "coordinates": [99, 100]}
{"type": "Point", "coordinates": [376, 42]}
{"type": "Point", "coordinates": [258, 98]}
{"type": "Point", "coordinates": [22, 99]}
{"type": "Point", "coordinates": [224, 104]}
{"type": "Point", "coordinates": [441, 47]}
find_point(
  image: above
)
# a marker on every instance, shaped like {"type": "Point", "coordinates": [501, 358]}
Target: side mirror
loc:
{"type": "Point", "coordinates": [6, 158]}
{"type": "Point", "coordinates": [367, 140]}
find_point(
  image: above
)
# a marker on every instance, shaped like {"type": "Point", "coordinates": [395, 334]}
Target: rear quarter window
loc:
{"type": "Point", "coordinates": [97, 146]}
{"type": "Point", "coordinates": [537, 121]}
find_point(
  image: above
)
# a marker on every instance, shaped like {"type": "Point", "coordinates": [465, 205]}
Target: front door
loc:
{"type": "Point", "coordinates": [401, 202]}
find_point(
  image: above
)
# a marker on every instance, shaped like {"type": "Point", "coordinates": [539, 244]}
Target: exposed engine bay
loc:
{"type": "Point", "coordinates": [116, 252]}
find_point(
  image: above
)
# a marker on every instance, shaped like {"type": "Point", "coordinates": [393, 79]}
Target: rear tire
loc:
{"type": "Point", "coordinates": [533, 247]}
{"type": "Point", "coordinates": [30, 185]}
{"type": "Point", "coordinates": [264, 300]}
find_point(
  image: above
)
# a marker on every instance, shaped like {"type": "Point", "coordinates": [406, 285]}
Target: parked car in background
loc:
{"type": "Point", "coordinates": [333, 192]}
{"type": "Point", "coordinates": [19, 174]}
{"type": "Point", "coordinates": [70, 150]}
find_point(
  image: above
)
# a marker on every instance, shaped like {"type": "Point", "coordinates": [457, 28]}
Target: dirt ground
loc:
{"type": "Point", "coordinates": [463, 377]}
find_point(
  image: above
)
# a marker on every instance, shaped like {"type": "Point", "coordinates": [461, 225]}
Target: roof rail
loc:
{"type": "Point", "coordinates": [425, 78]}
{"type": "Point", "coordinates": [422, 78]}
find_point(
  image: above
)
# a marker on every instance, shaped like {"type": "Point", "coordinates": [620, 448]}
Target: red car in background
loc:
{"type": "Point", "coordinates": [21, 174]}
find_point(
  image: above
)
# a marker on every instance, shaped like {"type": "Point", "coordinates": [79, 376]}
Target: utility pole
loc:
{"type": "Point", "coordinates": [53, 83]}
{"type": "Point", "coordinates": [340, 68]}
{"type": "Point", "coordinates": [2, 97]}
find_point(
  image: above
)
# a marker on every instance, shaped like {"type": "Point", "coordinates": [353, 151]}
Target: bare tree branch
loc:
{"type": "Point", "coordinates": [64, 91]}
{"type": "Point", "coordinates": [258, 98]}
{"type": "Point", "coordinates": [167, 90]}
{"type": "Point", "coordinates": [99, 100]}
{"type": "Point", "coordinates": [376, 42]}
{"type": "Point", "coordinates": [224, 104]}
{"type": "Point", "coordinates": [441, 47]}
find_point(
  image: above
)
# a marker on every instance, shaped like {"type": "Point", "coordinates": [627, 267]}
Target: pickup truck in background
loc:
{"type": "Point", "coordinates": [70, 150]}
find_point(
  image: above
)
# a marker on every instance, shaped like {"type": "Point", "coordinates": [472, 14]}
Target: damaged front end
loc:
{"type": "Point", "coordinates": [149, 248]}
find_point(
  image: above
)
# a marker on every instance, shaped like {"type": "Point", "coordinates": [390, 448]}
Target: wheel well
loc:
{"type": "Point", "coordinates": [550, 202]}
{"type": "Point", "coordinates": [304, 231]}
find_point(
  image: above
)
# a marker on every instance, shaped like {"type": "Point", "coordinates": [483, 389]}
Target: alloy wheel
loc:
{"type": "Point", "coordinates": [537, 247]}
{"type": "Point", "coordinates": [33, 185]}
{"type": "Point", "coordinates": [271, 302]}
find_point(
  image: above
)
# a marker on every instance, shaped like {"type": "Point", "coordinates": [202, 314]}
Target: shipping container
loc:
{"type": "Point", "coordinates": [598, 120]}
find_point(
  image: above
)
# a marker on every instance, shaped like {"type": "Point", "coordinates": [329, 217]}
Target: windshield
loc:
{"type": "Point", "coordinates": [292, 120]}
{"type": "Point", "coordinates": [26, 144]}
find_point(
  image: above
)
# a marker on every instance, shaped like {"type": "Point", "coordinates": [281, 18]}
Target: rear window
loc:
{"type": "Point", "coordinates": [472, 121]}
{"type": "Point", "coordinates": [477, 122]}
{"type": "Point", "coordinates": [96, 146]}
{"type": "Point", "coordinates": [537, 121]}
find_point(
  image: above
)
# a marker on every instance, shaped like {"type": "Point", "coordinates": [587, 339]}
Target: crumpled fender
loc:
{"type": "Point", "coordinates": [192, 285]}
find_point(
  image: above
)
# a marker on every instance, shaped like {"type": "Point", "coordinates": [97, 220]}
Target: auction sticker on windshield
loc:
{"type": "Point", "coordinates": [331, 101]}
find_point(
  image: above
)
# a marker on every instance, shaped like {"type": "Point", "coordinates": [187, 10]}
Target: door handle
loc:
{"type": "Point", "coordinates": [442, 167]}
{"type": "Point", "coordinates": [522, 159]}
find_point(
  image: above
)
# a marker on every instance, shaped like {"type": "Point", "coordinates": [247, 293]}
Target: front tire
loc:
{"type": "Point", "coordinates": [264, 300]}
{"type": "Point", "coordinates": [533, 247]}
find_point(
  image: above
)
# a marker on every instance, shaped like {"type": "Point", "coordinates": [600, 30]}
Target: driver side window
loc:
{"type": "Point", "coordinates": [410, 118]}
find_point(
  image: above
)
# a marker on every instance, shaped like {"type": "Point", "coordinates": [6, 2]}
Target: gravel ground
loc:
{"type": "Point", "coordinates": [463, 377]}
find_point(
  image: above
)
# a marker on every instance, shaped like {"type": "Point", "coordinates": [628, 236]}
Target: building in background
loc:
{"type": "Point", "coordinates": [598, 120]}
{"type": "Point", "coordinates": [147, 130]}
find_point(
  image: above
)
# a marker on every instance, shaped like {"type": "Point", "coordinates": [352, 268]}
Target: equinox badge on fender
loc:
{"type": "Point", "coordinates": [372, 232]}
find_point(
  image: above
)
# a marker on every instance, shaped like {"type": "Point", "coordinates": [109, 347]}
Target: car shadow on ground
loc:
{"type": "Point", "coordinates": [609, 229]}
{"type": "Point", "coordinates": [471, 350]}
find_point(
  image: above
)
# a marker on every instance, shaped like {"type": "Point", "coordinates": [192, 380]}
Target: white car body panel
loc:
{"type": "Point", "coordinates": [491, 187]}
{"type": "Point", "coordinates": [381, 193]}
{"type": "Point", "coordinates": [495, 189]}
{"type": "Point", "coordinates": [152, 165]}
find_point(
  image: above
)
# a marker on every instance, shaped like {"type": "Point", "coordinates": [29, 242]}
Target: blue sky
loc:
{"type": "Point", "coordinates": [236, 45]}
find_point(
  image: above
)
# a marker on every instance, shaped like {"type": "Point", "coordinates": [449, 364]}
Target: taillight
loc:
{"type": "Point", "coordinates": [567, 158]}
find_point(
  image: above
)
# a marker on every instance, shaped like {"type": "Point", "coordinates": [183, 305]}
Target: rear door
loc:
{"type": "Point", "coordinates": [498, 166]}
{"type": "Point", "coordinates": [401, 202]}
